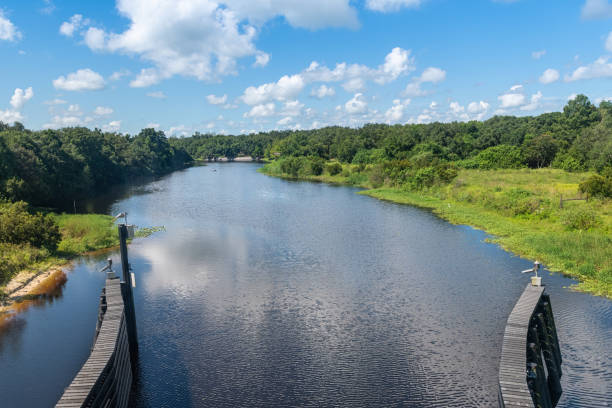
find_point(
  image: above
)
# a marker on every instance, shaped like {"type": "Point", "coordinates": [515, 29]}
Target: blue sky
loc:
{"type": "Point", "coordinates": [236, 66]}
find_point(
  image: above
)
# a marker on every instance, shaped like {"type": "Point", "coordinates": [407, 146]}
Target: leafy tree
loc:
{"type": "Point", "coordinates": [334, 168]}
{"type": "Point", "coordinates": [580, 112]}
{"type": "Point", "coordinates": [496, 157]}
{"type": "Point", "coordinates": [539, 151]}
{"type": "Point", "coordinates": [597, 186]}
{"type": "Point", "coordinates": [18, 226]}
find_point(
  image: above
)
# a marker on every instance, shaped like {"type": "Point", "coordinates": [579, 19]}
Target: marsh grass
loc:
{"type": "Point", "coordinates": [80, 233]}
{"type": "Point", "coordinates": [85, 232]}
{"type": "Point", "coordinates": [520, 208]}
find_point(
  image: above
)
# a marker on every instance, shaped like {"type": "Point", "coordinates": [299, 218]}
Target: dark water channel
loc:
{"type": "Point", "coordinates": [265, 292]}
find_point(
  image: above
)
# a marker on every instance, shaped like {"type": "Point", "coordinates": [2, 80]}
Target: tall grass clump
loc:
{"type": "Point", "coordinates": [85, 232]}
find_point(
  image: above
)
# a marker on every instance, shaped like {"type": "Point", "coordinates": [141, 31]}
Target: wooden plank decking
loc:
{"type": "Point", "coordinates": [106, 377]}
{"type": "Point", "coordinates": [514, 391]}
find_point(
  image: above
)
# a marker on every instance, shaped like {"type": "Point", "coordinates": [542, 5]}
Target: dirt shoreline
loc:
{"type": "Point", "coordinates": [27, 283]}
{"type": "Point", "coordinates": [38, 288]}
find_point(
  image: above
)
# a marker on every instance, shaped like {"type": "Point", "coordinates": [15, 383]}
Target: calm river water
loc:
{"type": "Point", "coordinates": [266, 292]}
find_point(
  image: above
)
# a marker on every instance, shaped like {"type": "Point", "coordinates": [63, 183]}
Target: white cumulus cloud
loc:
{"type": "Point", "coordinates": [609, 42]}
{"type": "Point", "coordinates": [292, 108]}
{"type": "Point", "coordinates": [203, 39]}
{"type": "Point", "coordinates": [534, 102]}
{"type": "Point", "coordinates": [323, 91]}
{"type": "Point", "coordinates": [103, 110]}
{"type": "Point", "coordinates": [8, 31]}
{"type": "Point", "coordinates": [261, 59]}
{"type": "Point", "coordinates": [113, 126]}
{"type": "Point", "coordinates": [287, 87]}
{"type": "Point", "coordinates": [601, 68]}
{"type": "Point", "coordinates": [61, 121]}
{"type": "Point", "coordinates": [511, 100]}
{"type": "Point", "coordinates": [456, 108]}
{"type": "Point", "coordinates": [538, 54]}
{"type": "Point", "coordinates": [396, 112]}
{"type": "Point", "coordinates": [74, 23]}
{"type": "Point", "coordinates": [117, 75]}
{"type": "Point", "coordinates": [95, 39]}
{"type": "Point", "coordinates": [596, 9]}
{"type": "Point", "coordinates": [549, 76]}
{"type": "Point", "coordinates": [216, 100]}
{"type": "Point", "coordinates": [262, 110]}
{"type": "Point", "coordinates": [285, 121]}
{"type": "Point", "coordinates": [478, 107]}
{"type": "Point", "coordinates": [20, 97]}
{"type": "Point", "coordinates": [433, 75]}
{"type": "Point", "coordinates": [10, 116]}
{"type": "Point", "coordinates": [397, 62]}
{"type": "Point", "coordinates": [357, 104]}
{"type": "Point", "coordinates": [81, 80]}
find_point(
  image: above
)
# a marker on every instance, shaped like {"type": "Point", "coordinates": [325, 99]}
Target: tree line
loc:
{"type": "Point", "coordinates": [51, 166]}
{"type": "Point", "coordinates": [577, 139]}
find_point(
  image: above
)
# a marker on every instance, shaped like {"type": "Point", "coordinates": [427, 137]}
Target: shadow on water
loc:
{"type": "Point", "coordinates": [101, 203]}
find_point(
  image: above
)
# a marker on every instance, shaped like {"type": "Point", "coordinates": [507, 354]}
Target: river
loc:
{"type": "Point", "coordinates": [268, 292]}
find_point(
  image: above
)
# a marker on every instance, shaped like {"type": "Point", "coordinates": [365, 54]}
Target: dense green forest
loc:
{"type": "Point", "coordinates": [53, 167]}
{"type": "Point", "coordinates": [577, 139]}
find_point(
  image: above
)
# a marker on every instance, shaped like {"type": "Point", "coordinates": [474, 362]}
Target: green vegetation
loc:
{"type": "Point", "coordinates": [30, 240]}
{"type": "Point", "coordinates": [505, 175]}
{"type": "Point", "coordinates": [19, 227]}
{"type": "Point", "coordinates": [576, 140]}
{"type": "Point", "coordinates": [148, 231]}
{"type": "Point", "coordinates": [85, 232]}
{"type": "Point", "coordinates": [520, 207]}
{"type": "Point", "coordinates": [55, 167]}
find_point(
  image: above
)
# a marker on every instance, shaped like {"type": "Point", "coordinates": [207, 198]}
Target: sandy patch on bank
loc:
{"type": "Point", "coordinates": [31, 283]}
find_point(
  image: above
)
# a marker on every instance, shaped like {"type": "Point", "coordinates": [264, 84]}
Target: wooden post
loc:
{"type": "Point", "coordinates": [561, 202]}
{"type": "Point", "coordinates": [128, 297]}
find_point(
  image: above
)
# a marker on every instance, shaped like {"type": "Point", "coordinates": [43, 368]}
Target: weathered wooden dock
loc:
{"type": "Point", "coordinates": [105, 380]}
{"type": "Point", "coordinates": [106, 377]}
{"type": "Point", "coordinates": [530, 366]}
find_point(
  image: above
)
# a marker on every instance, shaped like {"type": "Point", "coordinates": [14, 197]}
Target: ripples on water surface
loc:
{"type": "Point", "coordinates": [265, 292]}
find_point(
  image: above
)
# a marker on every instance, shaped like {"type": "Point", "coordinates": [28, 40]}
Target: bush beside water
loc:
{"type": "Point", "coordinates": [29, 239]}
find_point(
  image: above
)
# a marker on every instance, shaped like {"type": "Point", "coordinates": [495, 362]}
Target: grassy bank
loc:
{"type": "Point", "coordinates": [79, 234]}
{"type": "Point", "coordinates": [520, 208]}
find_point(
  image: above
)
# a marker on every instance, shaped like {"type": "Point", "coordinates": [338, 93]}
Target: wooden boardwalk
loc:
{"type": "Point", "coordinates": [530, 366]}
{"type": "Point", "coordinates": [105, 379]}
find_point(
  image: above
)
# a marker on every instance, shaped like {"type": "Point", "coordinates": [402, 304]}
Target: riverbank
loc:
{"type": "Point", "coordinates": [29, 267]}
{"type": "Point", "coordinates": [520, 208]}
